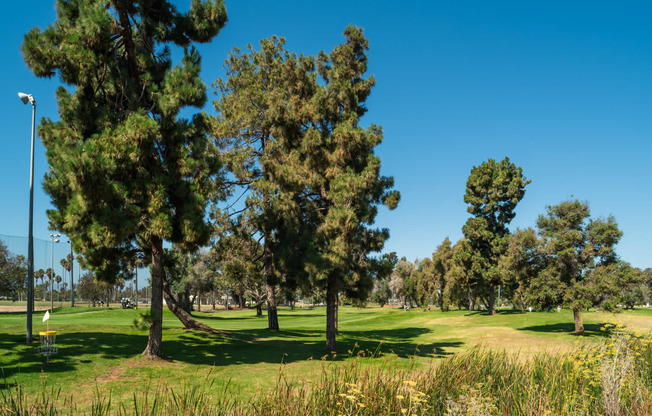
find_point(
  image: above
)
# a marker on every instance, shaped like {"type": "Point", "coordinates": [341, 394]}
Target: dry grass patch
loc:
{"type": "Point", "coordinates": [639, 323]}
{"type": "Point", "coordinates": [18, 308]}
{"type": "Point", "coordinates": [512, 340]}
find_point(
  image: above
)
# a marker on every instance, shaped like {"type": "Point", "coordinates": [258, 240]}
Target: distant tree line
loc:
{"type": "Point", "coordinates": [13, 269]}
{"type": "Point", "coordinates": [568, 260]}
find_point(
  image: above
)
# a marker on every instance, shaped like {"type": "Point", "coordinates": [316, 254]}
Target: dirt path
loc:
{"type": "Point", "coordinates": [21, 308]}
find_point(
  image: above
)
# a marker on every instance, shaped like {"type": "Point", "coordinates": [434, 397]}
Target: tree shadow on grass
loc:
{"type": "Point", "coordinates": [80, 349]}
{"type": "Point", "coordinates": [26, 358]}
{"type": "Point", "coordinates": [6, 384]}
{"type": "Point", "coordinates": [264, 346]}
{"type": "Point", "coordinates": [200, 315]}
{"type": "Point", "coordinates": [498, 312]}
{"type": "Point", "coordinates": [590, 330]}
{"type": "Point", "coordinates": [223, 316]}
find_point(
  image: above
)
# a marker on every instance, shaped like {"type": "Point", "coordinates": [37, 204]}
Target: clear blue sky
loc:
{"type": "Point", "coordinates": [562, 88]}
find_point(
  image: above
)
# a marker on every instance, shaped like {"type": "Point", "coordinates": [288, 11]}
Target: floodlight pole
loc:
{"type": "Point", "coordinates": [28, 98]}
{"type": "Point", "coordinates": [54, 239]}
{"type": "Point", "coordinates": [136, 280]}
{"type": "Point", "coordinates": [72, 282]}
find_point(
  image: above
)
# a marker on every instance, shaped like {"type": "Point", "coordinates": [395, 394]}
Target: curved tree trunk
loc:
{"type": "Point", "coordinates": [155, 340]}
{"type": "Point", "coordinates": [186, 319]}
{"type": "Point", "coordinates": [259, 309]}
{"type": "Point", "coordinates": [579, 324]}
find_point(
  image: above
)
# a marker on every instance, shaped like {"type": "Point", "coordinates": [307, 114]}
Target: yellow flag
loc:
{"type": "Point", "coordinates": [46, 316]}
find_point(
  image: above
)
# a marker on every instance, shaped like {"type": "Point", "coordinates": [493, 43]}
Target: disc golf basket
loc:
{"type": "Point", "coordinates": [47, 347]}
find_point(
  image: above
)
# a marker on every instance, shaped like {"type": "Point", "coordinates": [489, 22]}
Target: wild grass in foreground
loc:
{"type": "Point", "coordinates": [611, 377]}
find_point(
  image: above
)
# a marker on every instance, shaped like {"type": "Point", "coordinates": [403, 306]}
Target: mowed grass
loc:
{"type": "Point", "coordinates": [100, 349]}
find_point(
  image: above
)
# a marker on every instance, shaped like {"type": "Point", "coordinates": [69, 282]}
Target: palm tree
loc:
{"type": "Point", "coordinates": [39, 274]}
{"type": "Point", "coordinates": [58, 279]}
{"type": "Point", "coordinates": [50, 274]}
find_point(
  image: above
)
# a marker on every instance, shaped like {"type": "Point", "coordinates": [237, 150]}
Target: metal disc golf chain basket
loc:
{"type": "Point", "coordinates": [47, 347]}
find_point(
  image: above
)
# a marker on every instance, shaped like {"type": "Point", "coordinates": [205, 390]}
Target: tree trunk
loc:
{"type": "Point", "coordinates": [579, 324]}
{"type": "Point", "coordinates": [198, 302]}
{"type": "Point", "coordinates": [155, 340]}
{"type": "Point", "coordinates": [272, 314]}
{"type": "Point", "coordinates": [331, 313]}
{"type": "Point", "coordinates": [491, 303]}
{"type": "Point", "coordinates": [242, 301]}
{"type": "Point", "coordinates": [186, 319]}
{"type": "Point", "coordinates": [259, 309]}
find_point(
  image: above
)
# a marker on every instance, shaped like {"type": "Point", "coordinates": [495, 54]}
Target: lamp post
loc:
{"type": "Point", "coordinates": [72, 282]}
{"type": "Point", "coordinates": [28, 98]}
{"type": "Point", "coordinates": [54, 238]}
{"type": "Point", "coordinates": [136, 281]}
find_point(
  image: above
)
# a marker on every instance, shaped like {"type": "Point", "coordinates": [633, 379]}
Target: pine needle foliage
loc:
{"type": "Point", "coordinates": [263, 106]}
{"type": "Point", "coordinates": [492, 191]}
{"type": "Point", "coordinates": [343, 176]}
{"type": "Point", "coordinates": [125, 171]}
{"type": "Point", "coordinates": [290, 127]}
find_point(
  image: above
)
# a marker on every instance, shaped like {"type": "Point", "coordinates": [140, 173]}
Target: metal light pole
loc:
{"type": "Point", "coordinates": [28, 98]}
{"type": "Point", "coordinates": [53, 239]}
{"type": "Point", "coordinates": [136, 280]}
{"type": "Point", "coordinates": [72, 282]}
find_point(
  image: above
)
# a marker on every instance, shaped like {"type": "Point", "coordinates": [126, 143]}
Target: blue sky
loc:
{"type": "Point", "coordinates": [564, 89]}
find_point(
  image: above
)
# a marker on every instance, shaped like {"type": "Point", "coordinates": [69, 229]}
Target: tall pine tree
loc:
{"type": "Point", "coordinates": [492, 191]}
{"type": "Point", "coordinates": [291, 126]}
{"type": "Point", "coordinates": [263, 107]}
{"type": "Point", "coordinates": [126, 172]}
{"type": "Point", "coordinates": [343, 176]}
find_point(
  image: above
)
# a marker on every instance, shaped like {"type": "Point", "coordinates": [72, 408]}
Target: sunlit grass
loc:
{"type": "Point", "coordinates": [100, 349]}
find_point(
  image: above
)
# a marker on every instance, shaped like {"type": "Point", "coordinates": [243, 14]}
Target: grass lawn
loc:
{"type": "Point", "coordinates": [99, 348]}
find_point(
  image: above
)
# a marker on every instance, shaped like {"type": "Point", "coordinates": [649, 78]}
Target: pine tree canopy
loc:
{"type": "Point", "coordinates": [492, 191]}
{"type": "Point", "coordinates": [345, 173]}
{"type": "Point", "coordinates": [124, 168]}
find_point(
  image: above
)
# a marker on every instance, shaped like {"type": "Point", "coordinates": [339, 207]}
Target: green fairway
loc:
{"type": "Point", "coordinates": [100, 347]}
